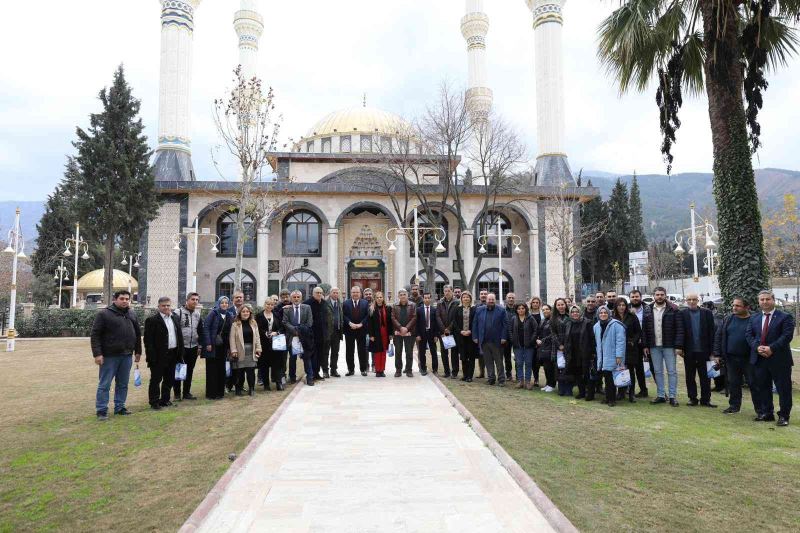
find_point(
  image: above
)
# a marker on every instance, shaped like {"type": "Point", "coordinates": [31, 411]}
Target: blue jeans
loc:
{"type": "Point", "coordinates": [523, 359]}
{"type": "Point", "coordinates": [117, 367]}
{"type": "Point", "coordinates": [660, 356]}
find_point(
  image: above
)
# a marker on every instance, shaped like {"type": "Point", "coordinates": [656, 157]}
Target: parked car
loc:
{"type": "Point", "coordinates": [648, 299]}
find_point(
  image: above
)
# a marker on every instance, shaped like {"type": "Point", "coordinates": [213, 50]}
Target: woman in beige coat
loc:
{"type": "Point", "coordinates": [245, 350]}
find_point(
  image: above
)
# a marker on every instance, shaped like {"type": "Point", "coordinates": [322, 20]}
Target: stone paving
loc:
{"type": "Point", "coordinates": [367, 454]}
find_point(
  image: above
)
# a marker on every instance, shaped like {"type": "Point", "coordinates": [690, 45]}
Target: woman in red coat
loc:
{"type": "Point", "coordinates": [380, 327]}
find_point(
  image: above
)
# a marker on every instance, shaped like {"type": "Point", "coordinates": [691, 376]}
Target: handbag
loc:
{"type": "Point", "coordinates": [390, 349]}
{"type": "Point", "coordinates": [297, 346]}
{"type": "Point", "coordinates": [647, 372]}
{"type": "Point", "coordinates": [561, 361]}
{"type": "Point", "coordinates": [137, 377]}
{"type": "Point", "coordinates": [279, 343]}
{"type": "Point", "coordinates": [712, 369]}
{"type": "Point", "coordinates": [622, 377]}
{"type": "Point", "coordinates": [448, 342]}
{"type": "Point", "coordinates": [180, 371]}
{"type": "Point", "coordinates": [228, 370]}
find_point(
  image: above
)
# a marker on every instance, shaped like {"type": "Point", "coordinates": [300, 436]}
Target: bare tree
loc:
{"type": "Point", "coordinates": [248, 129]}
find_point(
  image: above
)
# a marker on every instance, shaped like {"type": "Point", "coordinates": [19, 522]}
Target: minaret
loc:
{"type": "Point", "coordinates": [173, 161]}
{"type": "Point", "coordinates": [249, 26]}
{"type": "Point", "coordinates": [474, 27]}
{"type": "Point", "coordinates": [551, 161]}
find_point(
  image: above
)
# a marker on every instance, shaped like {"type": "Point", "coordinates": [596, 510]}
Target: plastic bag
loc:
{"type": "Point", "coordinates": [390, 350]}
{"type": "Point", "coordinates": [448, 342]}
{"type": "Point", "coordinates": [712, 370]}
{"type": "Point", "coordinates": [180, 372]}
{"type": "Point", "coordinates": [647, 372]}
{"type": "Point", "coordinates": [279, 343]}
{"type": "Point", "coordinates": [297, 346]}
{"type": "Point", "coordinates": [561, 361]}
{"type": "Point", "coordinates": [228, 370]}
{"type": "Point", "coordinates": [622, 377]}
{"type": "Point", "coordinates": [137, 377]}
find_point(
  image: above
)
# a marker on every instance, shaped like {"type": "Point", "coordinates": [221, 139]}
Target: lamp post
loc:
{"type": "Point", "coordinates": [62, 275]}
{"type": "Point", "coordinates": [131, 260]}
{"type": "Point", "coordinates": [418, 231]}
{"type": "Point", "coordinates": [16, 247]}
{"type": "Point", "coordinates": [78, 242]}
{"type": "Point", "coordinates": [691, 234]}
{"type": "Point", "coordinates": [194, 233]}
{"type": "Point", "coordinates": [484, 239]}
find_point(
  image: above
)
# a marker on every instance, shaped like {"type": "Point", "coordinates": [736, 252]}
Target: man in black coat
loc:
{"type": "Point", "coordinates": [731, 347]}
{"type": "Point", "coordinates": [320, 328]}
{"type": "Point", "coordinates": [356, 316]}
{"type": "Point", "coordinates": [163, 345]}
{"type": "Point", "coordinates": [698, 342]}
{"type": "Point", "coordinates": [427, 332]}
{"type": "Point", "coordinates": [443, 310]}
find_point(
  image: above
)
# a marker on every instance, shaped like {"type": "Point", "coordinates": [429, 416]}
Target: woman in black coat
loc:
{"type": "Point", "coordinates": [544, 350]}
{"type": "Point", "coordinates": [216, 351]}
{"type": "Point", "coordinates": [633, 333]}
{"type": "Point", "coordinates": [380, 332]}
{"type": "Point", "coordinates": [463, 335]}
{"type": "Point", "coordinates": [269, 326]}
{"type": "Point", "coordinates": [579, 350]}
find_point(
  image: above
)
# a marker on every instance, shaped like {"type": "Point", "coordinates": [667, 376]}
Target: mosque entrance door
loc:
{"type": "Point", "coordinates": [366, 273]}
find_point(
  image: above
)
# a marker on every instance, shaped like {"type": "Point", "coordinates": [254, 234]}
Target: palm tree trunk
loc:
{"type": "Point", "coordinates": [743, 268]}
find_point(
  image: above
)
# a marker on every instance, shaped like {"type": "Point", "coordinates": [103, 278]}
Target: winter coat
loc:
{"type": "Point", "coordinates": [237, 345]}
{"type": "Point", "coordinates": [579, 358]}
{"type": "Point", "coordinates": [443, 311]}
{"type": "Point", "coordinates": [609, 345]}
{"type": "Point", "coordinates": [411, 318]}
{"type": "Point", "coordinates": [115, 332]}
{"type": "Point", "coordinates": [156, 341]}
{"type": "Point", "coordinates": [633, 336]}
{"type": "Point", "coordinates": [671, 327]}
{"type": "Point", "coordinates": [544, 351]}
{"type": "Point", "coordinates": [529, 330]}
{"type": "Point", "coordinates": [374, 327]}
{"type": "Point", "coordinates": [216, 323]}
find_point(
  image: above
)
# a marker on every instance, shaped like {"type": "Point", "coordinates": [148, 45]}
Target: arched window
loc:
{"type": "Point", "coordinates": [439, 281]}
{"type": "Point", "coordinates": [226, 282]}
{"type": "Point", "coordinates": [226, 229]}
{"type": "Point", "coordinates": [487, 225]}
{"type": "Point", "coordinates": [427, 239]}
{"type": "Point", "coordinates": [489, 280]}
{"type": "Point", "coordinates": [303, 281]}
{"type": "Point", "coordinates": [302, 235]}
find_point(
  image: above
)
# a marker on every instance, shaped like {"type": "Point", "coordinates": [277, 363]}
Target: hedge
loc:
{"type": "Point", "coordinates": [63, 322]}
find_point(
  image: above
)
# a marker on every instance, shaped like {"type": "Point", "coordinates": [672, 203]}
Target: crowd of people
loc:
{"type": "Point", "coordinates": [603, 349]}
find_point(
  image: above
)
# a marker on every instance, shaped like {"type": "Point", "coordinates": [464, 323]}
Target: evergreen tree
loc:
{"type": "Point", "coordinates": [619, 229]}
{"type": "Point", "coordinates": [638, 241]}
{"type": "Point", "coordinates": [53, 228]}
{"type": "Point", "coordinates": [114, 188]}
{"type": "Point", "coordinates": [595, 266]}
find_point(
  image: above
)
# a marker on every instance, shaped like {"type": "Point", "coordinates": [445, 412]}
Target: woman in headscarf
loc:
{"type": "Point", "coordinates": [544, 350]}
{"type": "Point", "coordinates": [633, 333]}
{"type": "Point", "coordinates": [609, 336]}
{"type": "Point", "coordinates": [269, 363]}
{"type": "Point", "coordinates": [461, 320]}
{"type": "Point", "coordinates": [579, 353]}
{"type": "Point", "coordinates": [523, 329]}
{"type": "Point", "coordinates": [380, 329]}
{"type": "Point", "coordinates": [216, 351]}
{"type": "Point", "coordinates": [245, 347]}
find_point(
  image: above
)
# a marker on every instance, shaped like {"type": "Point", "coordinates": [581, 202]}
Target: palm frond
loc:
{"type": "Point", "coordinates": [780, 40]}
{"type": "Point", "coordinates": [789, 10]}
{"type": "Point", "coordinates": [694, 56]}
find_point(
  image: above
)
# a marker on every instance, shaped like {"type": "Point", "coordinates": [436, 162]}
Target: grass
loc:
{"type": "Point", "coordinates": [643, 467]}
{"type": "Point", "coordinates": [61, 470]}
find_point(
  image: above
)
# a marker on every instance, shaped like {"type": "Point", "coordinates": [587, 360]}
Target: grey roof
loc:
{"type": "Point", "coordinates": [173, 165]}
{"type": "Point", "coordinates": [553, 171]}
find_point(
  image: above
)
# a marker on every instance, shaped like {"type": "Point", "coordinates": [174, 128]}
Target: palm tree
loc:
{"type": "Point", "coordinates": [722, 47]}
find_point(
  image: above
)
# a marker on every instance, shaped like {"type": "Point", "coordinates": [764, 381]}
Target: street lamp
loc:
{"type": "Point", "coordinates": [62, 275]}
{"type": "Point", "coordinates": [78, 242]}
{"type": "Point", "coordinates": [483, 240]}
{"type": "Point", "coordinates": [691, 235]}
{"type": "Point", "coordinates": [133, 263]}
{"type": "Point", "coordinates": [418, 232]}
{"type": "Point", "coordinates": [194, 233]}
{"type": "Point", "coordinates": [16, 247]}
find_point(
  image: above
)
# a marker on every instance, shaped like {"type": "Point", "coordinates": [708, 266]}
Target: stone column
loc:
{"type": "Point", "coordinates": [262, 276]}
{"type": "Point", "coordinates": [533, 257]}
{"type": "Point", "coordinates": [468, 252]}
{"type": "Point", "coordinates": [333, 259]}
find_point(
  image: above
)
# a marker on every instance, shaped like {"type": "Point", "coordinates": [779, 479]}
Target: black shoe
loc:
{"type": "Point", "coordinates": [447, 374]}
{"type": "Point", "coordinates": [501, 383]}
{"type": "Point", "coordinates": [123, 412]}
{"type": "Point", "coordinates": [239, 393]}
{"type": "Point", "coordinates": [631, 399]}
{"type": "Point", "coordinates": [155, 406]}
{"type": "Point", "coordinates": [335, 374]}
{"type": "Point", "coordinates": [317, 378]}
{"type": "Point", "coordinates": [659, 399]}
{"type": "Point", "coordinates": [708, 404]}
{"type": "Point", "coordinates": [102, 416]}
{"type": "Point", "coordinates": [363, 373]}
{"type": "Point", "coordinates": [397, 374]}
{"type": "Point", "coordinates": [468, 380]}
{"type": "Point", "coordinates": [424, 372]}
{"type": "Point", "coordinates": [410, 373]}
{"type": "Point", "coordinates": [536, 385]}
{"type": "Point", "coordinates": [311, 384]}
{"type": "Point", "coordinates": [490, 382]}
{"type": "Point", "coordinates": [251, 392]}
{"type": "Point", "coordinates": [782, 422]}
{"type": "Point", "coordinates": [325, 374]}
{"type": "Point", "coordinates": [693, 403]}
{"type": "Point", "coordinates": [463, 379]}
{"type": "Point", "coordinates": [612, 403]}
{"type": "Point", "coordinates": [188, 396]}
{"type": "Point", "coordinates": [166, 404]}
{"type": "Point", "coordinates": [350, 373]}
{"type": "Point", "coordinates": [673, 402]}
{"type": "Point", "coordinates": [730, 411]}
{"type": "Point", "coordinates": [642, 394]}
{"type": "Point", "coordinates": [764, 418]}
{"type": "Point", "coordinates": [293, 380]}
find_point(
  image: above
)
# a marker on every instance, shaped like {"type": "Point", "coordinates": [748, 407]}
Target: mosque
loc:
{"type": "Point", "coordinates": [331, 228]}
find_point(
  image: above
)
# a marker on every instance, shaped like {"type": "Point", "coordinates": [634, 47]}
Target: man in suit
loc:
{"type": "Point", "coordinates": [698, 341]}
{"type": "Point", "coordinates": [404, 320]}
{"type": "Point", "coordinates": [427, 332]}
{"type": "Point", "coordinates": [163, 344]}
{"type": "Point", "coordinates": [319, 317]}
{"type": "Point", "coordinates": [443, 310]}
{"type": "Point", "coordinates": [490, 333]}
{"type": "Point", "coordinates": [337, 323]}
{"type": "Point", "coordinates": [356, 316]}
{"type": "Point", "coordinates": [298, 314]}
{"type": "Point", "coordinates": [769, 336]}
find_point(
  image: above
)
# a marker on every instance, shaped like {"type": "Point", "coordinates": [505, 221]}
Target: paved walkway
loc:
{"type": "Point", "coordinates": [363, 454]}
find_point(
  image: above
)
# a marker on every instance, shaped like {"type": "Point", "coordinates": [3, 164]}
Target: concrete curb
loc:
{"type": "Point", "coordinates": [215, 494]}
{"type": "Point", "coordinates": [552, 513]}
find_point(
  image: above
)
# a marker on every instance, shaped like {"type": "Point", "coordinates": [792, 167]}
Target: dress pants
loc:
{"type": "Point", "coordinates": [767, 371]}
{"type": "Point", "coordinates": [450, 360]}
{"type": "Point", "coordinates": [215, 375]}
{"type": "Point", "coordinates": [639, 371]}
{"type": "Point", "coordinates": [427, 341]}
{"type": "Point", "coordinates": [190, 358]}
{"type": "Point", "coordinates": [467, 348]}
{"type": "Point", "coordinates": [403, 344]}
{"type": "Point", "coordinates": [507, 359]}
{"type": "Point", "coordinates": [611, 389]}
{"type": "Point", "coordinates": [355, 343]}
{"type": "Point", "coordinates": [493, 359]}
{"type": "Point", "coordinates": [162, 377]}
{"type": "Point", "coordinates": [737, 367]}
{"type": "Point", "coordinates": [333, 349]}
{"type": "Point", "coordinates": [695, 363]}
{"type": "Point", "coordinates": [292, 366]}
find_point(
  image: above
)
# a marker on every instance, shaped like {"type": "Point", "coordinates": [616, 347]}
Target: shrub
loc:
{"type": "Point", "coordinates": [63, 322]}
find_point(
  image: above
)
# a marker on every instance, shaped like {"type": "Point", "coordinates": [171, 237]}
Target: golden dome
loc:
{"type": "Point", "coordinates": [93, 281]}
{"type": "Point", "coordinates": [359, 119]}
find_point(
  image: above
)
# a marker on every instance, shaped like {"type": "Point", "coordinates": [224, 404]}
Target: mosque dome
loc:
{"type": "Point", "coordinates": [353, 129]}
{"type": "Point", "coordinates": [93, 281]}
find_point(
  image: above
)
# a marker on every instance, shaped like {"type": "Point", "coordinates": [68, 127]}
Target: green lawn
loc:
{"type": "Point", "coordinates": [62, 470]}
{"type": "Point", "coordinates": [644, 467]}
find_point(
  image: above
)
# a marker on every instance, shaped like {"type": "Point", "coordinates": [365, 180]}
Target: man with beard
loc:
{"type": "Point", "coordinates": [590, 311]}
{"type": "Point", "coordinates": [491, 334]}
{"type": "Point", "coordinates": [731, 348]}
{"type": "Point", "coordinates": [510, 303]}
{"type": "Point", "coordinates": [639, 309]}
{"type": "Point", "coordinates": [443, 309]}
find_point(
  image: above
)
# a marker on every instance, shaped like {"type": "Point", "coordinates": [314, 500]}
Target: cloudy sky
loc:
{"type": "Point", "coordinates": [320, 56]}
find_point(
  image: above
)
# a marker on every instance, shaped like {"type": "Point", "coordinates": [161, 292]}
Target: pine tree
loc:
{"type": "Point", "coordinates": [619, 233]}
{"type": "Point", "coordinates": [114, 188]}
{"type": "Point", "coordinates": [594, 259]}
{"type": "Point", "coordinates": [637, 241]}
{"type": "Point", "coordinates": [53, 228]}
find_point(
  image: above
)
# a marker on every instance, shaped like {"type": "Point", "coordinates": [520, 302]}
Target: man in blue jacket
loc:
{"type": "Point", "coordinates": [770, 336]}
{"type": "Point", "coordinates": [490, 333]}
